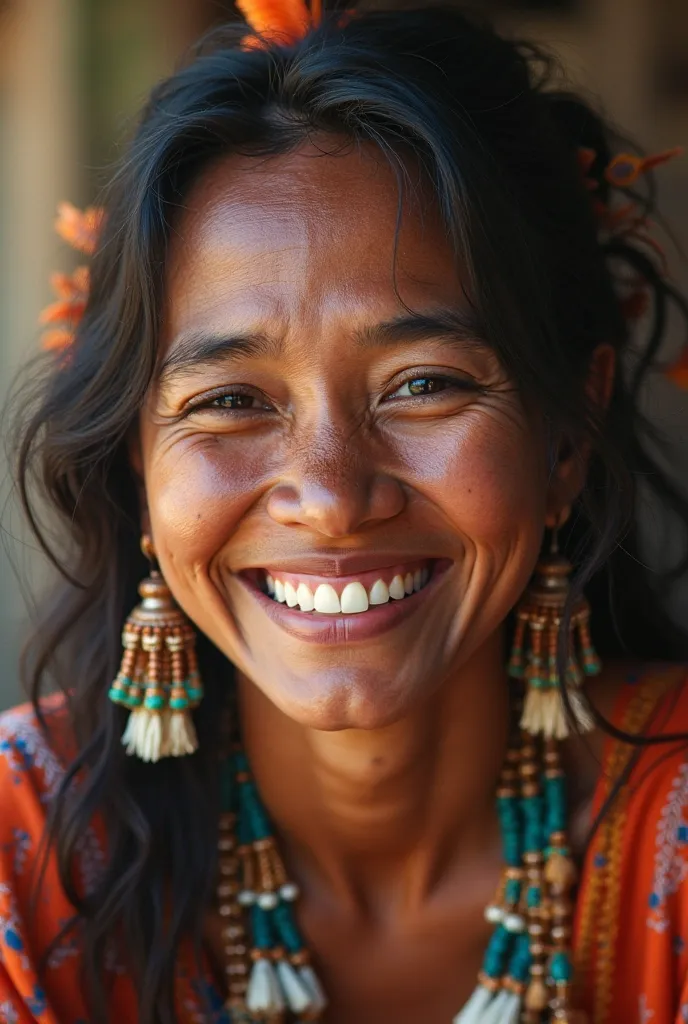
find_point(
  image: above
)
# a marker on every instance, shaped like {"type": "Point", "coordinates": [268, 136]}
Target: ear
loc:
{"type": "Point", "coordinates": [570, 461]}
{"type": "Point", "coordinates": [135, 452]}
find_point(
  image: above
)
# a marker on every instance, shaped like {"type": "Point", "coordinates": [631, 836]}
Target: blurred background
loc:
{"type": "Point", "coordinates": [73, 74]}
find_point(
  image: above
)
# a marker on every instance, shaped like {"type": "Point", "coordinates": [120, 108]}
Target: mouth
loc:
{"type": "Point", "coordinates": [345, 608]}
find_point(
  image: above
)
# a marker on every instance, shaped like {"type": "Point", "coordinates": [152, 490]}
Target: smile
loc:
{"type": "Point", "coordinates": [344, 608]}
{"type": "Point", "coordinates": [346, 596]}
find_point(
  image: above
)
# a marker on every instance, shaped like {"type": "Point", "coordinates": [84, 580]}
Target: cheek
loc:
{"type": "Point", "coordinates": [488, 476]}
{"type": "Point", "coordinates": [197, 497]}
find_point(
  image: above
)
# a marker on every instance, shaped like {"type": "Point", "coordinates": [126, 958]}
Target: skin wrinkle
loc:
{"type": "Point", "coordinates": [377, 761]}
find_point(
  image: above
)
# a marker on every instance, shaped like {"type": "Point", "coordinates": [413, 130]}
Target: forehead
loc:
{"type": "Point", "coordinates": [284, 235]}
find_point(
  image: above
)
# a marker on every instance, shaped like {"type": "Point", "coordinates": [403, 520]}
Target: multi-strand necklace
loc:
{"type": "Point", "coordinates": [526, 974]}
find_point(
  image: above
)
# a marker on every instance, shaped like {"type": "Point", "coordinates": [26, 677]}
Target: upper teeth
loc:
{"type": "Point", "coordinates": [354, 597]}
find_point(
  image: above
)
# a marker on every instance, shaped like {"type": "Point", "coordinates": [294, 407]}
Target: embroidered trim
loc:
{"type": "Point", "coordinates": [671, 860]}
{"type": "Point", "coordinates": [600, 912]}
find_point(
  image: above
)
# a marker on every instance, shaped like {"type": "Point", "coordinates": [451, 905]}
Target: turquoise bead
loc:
{"type": "Point", "coordinates": [497, 951]}
{"type": "Point", "coordinates": [521, 959]}
{"type": "Point", "coordinates": [286, 927]}
{"type": "Point", "coordinates": [533, 896]}
{"type": "Point", "coordinates": [533, 834]}
{"type": "Point", "coordinates": [178, 703]}
{"type": "Point", "coordinates": [555, 804]}
{"type": "Point", "coordinates": [263, 931]}
{"type": "Point", "coordinates": [512, 891]}
{"type": "Point", "coordinates": [560, 967]}
{"type": "Point", "coordinates": [154, 703]}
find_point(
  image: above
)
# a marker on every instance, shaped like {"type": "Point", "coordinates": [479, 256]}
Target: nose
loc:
{"type": "Point", "coordinates": [335, 490]}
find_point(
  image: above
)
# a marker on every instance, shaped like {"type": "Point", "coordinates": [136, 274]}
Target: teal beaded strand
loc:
{"type": "Point", "coordinates": [281, 977]}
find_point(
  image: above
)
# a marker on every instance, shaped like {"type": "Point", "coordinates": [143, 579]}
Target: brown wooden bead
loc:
{"type": "Point", "coordinates": [560, 871]}
{"type": "Point", "coordinates": [537, 995]}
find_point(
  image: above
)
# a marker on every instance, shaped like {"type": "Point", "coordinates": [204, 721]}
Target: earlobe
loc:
{"type": "Point", "coordinates": [568, 462]}
{"type": "Point", "coordinates": [566, 481]}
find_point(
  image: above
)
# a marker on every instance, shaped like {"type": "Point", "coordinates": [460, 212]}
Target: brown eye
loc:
{"type": "Point", "coordinates": [422, 386]}
{"type": "Point", "coordinates": [427, 385]}
{"type": "Point", "coordinates": [234, 400]}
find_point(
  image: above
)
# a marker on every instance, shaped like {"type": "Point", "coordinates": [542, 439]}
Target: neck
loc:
{"type": "Point", "coordinates": [367, 812]}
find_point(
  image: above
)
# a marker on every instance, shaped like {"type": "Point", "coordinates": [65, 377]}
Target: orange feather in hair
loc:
{"type": "Point", "coordinates": [276, 21]}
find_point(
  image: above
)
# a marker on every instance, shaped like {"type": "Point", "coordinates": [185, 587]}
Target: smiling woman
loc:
{"type": "Point", "coordinates": [352, 361]}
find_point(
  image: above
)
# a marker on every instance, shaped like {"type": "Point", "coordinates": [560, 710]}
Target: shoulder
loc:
{"type": "Point", "coordinates": [34, 909]}
{"type": "Point", "coordinates": [32, 765]}
{"type": "Point", "coordinates": [633, 907]}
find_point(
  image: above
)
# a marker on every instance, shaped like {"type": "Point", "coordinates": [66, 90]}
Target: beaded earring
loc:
{"type": "Point", "coordinates": [534, 652]}
{"type": "Point", "coordinates": [158, 679]}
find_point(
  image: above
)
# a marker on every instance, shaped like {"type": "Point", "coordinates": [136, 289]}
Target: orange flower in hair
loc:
{"type": "Point", "coordinates": [80, 228]}
{"type": "Point", "coordinates": [279, 21]}
{"type": "Point", "coordinates": [625, 168]}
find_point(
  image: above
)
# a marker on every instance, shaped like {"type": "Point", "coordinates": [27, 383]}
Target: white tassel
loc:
{"type": "Point", "coordinates": [128, 734]}
{"type": "Point", "coordinates": [135, 730]}
{"type": "Point", "coordinates": [473, 1011]}
{"type": "Point", "coordinates": [264, 993]}
{"type": "Point", "coordinates": [181, 734]}
{"type": "Point", "coordinates": [295, 992]}
{"type": "Point", "coordinates": [532, 720]}
{"type": "Point", "coordinates": [505, 1008]}
{"type": "Point", "coordinates": [315, 990]}
{"type": "Point", "coordinates": [151, 742]}
{"type": "Point", "coordinates": [552, 713]}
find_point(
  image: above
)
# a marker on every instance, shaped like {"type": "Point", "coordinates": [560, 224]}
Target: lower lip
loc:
{"type": "Point", "coordinates": [317, 628]}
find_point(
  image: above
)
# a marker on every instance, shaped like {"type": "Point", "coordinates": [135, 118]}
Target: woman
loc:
{"type": "Point", "coordinates": [352, 362]}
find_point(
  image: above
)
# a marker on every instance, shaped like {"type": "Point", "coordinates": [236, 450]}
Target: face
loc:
{"type": "Point", "coordinates": [327, 424]}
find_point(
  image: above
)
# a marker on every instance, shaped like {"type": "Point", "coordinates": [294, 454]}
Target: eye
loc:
{"type": "Point", "coordinates": [233, 400]}
{"type": "Point", "coordinates": [430, 385]}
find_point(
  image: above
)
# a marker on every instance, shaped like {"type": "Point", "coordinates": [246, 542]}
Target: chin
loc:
{"type": "Point", "coordinates": [343, 700]}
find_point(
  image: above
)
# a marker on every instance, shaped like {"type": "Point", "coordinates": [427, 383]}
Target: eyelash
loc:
{"type": "Point", "coordinates": [452, 384]}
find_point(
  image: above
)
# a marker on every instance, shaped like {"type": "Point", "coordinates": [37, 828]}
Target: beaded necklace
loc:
{"type": "Point", "coordinates": [527, 970]}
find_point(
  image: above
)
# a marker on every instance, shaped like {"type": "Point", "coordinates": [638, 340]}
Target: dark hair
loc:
{"type": "Point", "coordinates": [499, 146]}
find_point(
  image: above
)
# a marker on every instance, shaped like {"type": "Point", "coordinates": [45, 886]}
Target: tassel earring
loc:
{"type": "Point", "coordinates": [534, 652]}
{"type": "Point", "coordinates": [158, 679]}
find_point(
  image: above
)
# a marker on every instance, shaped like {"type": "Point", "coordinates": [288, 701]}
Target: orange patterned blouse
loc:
{"type": "Point", "coordinates": [631, 929]}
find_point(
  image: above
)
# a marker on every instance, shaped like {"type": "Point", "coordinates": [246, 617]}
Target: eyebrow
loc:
{"type": "Point", "coordinates": [197, 349]}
